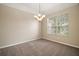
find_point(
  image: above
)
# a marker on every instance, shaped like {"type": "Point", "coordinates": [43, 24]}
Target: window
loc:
{"type": "Point", "coordinates": [58, 25]}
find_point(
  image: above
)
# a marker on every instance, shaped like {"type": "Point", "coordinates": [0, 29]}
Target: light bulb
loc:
{"type": "Point", "coordinates": [43, 15]}
{"type": "Point", "coordinates": [39, 14]}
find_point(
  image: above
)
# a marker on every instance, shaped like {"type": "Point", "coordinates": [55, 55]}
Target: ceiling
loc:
{"type": "Point", "coordinates": [46, 8]}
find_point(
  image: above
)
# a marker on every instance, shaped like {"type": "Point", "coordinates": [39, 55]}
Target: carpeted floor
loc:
{"type": "Point", "coordinates": [40, 47]}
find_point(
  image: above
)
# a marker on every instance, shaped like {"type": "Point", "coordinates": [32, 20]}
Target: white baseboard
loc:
{"type": "Point", "coordinates": [36, 39]}
{"type": "Point", "coordinates": [63, 43]}
{"type": "Point", "coordinates": [16, 43]}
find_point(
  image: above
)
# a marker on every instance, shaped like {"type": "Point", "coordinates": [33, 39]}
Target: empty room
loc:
{"type": "Point", "coordinates": [39, 29]}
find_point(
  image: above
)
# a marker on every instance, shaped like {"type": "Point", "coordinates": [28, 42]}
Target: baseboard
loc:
{"type": "Point", "coordinates": [16, 43]}
{"type": "Point", "coordinates": [36, 39]}
{"type": "Point", "coordinates": [63, 43]}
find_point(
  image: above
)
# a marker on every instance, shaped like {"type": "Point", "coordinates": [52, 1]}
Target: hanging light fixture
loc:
{"type": "Point", "coordinates": [39, 17]}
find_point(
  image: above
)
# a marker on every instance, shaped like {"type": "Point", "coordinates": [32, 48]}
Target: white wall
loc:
{"type": "Point", "coordinates": [17, 26]}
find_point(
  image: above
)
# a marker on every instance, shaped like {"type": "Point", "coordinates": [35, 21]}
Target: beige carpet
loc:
{"type": "Point", "coordinates": [40, 47]}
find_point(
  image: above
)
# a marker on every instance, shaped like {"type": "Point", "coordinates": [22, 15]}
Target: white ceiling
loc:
{"type": "Point", "coordinates": [46, 8]}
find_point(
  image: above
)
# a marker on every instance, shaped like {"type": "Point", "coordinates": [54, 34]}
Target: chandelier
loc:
{"type": "Point", "coordinates": [39, 16]}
